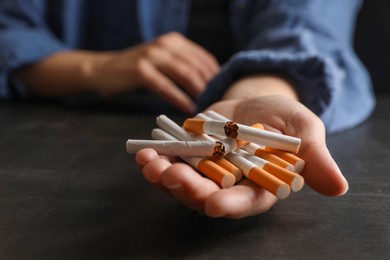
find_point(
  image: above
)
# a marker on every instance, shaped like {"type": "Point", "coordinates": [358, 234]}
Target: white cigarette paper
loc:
{"type": "Point", "coordinates": [254, 135]}
{"type": "Point", "coordinates": [169, 126]}
{"type": "Point", "coordinates": [185, 148]}
{"type": "Point", "coordinates": [211, 114]}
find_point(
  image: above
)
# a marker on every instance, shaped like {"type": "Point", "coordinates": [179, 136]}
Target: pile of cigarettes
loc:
{"type": "Point", "coordinates": [225, 151]}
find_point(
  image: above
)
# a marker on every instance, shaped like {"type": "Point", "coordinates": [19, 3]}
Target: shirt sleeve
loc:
{"type": "Point", "coordinates": [24, 39]}
{"type": "Point", "coordinates": [310, 43]}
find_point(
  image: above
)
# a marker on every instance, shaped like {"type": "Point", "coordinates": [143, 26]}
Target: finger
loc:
{"type": "Point", "coordinates": [162, 86]}
{"type": "Point", "coordinates": [187, 76]}
{"type": "Point", "coordinates": [151, 165]}
{"type": "Point", "coordinates": [242, 200]}
{"type": "Point", "coordinates": [199, 58]}
{"type": "Point", "coordinates": [188, 186]}
{"type": "Point", "coordinates": [143, 156]}
{"type": "Point", "coordinates": [176, 69]}
{"type": "Point", "coordinates": [191, 53]}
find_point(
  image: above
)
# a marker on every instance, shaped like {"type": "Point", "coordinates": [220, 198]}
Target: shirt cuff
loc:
{"type": "Point", "coordinates": [24, 47]}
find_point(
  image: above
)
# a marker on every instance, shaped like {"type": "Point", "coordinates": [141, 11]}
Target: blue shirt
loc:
{"type": "Point", "coordinates": [308, 41]}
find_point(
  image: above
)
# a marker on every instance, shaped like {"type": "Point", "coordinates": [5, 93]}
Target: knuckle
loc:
{"type": "Point", "coordinates": [156, 53]}
{"type": "Point", "coordinates": [189, 74]}
{"type": "Point", "coordinates": [151, 52]}
{"type": "Point", "coordinates": [140, 67]}
{"type": "Point", "coordinates": [185, 71]}
{"type": "Point", "coordinates": [167, 39]}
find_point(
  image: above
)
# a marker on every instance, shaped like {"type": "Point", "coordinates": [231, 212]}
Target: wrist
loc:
{"type": "Point", "coordinates": [92, 71]}
{"type": "Point", "coordinates": [260, 85]}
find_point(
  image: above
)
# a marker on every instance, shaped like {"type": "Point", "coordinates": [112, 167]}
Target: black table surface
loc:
{"type": "Point", "coordinates": [68, 190]}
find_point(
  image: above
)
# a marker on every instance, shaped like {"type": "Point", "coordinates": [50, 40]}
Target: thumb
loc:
{"type": "Point", "coordinates": [321, 172]}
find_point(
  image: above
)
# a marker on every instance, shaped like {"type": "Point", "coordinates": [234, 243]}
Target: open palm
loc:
{"type": "Point", "coordinates": [277, 113]}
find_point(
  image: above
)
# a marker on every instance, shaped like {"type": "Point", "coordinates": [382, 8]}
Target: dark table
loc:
{"type": "Point", "coordinates": [68, 190]}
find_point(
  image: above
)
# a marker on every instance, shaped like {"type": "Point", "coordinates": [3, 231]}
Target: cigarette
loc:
{"type": "Point", "coordinates": [266, 155]}
{"type": "Point", "coordinates": [169, 126]}
{"type": "Point", "coordinates": [294, 180]}
{"type": "Point", "coordinates": [294, 160]}
{"type": "Point", "coordinates": [185, 148]}
{"type": "Point", "coordinates": [243, 132]}
{"type": "Point", "coordinates": [211, 170]}
{"type": "Point", "coordinates": [297, 162]}
{"type": "Point", "coordinates": [259, 176]}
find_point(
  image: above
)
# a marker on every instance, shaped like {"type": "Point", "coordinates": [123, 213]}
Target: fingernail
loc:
{"type": "Point", "coordinates": [174, 186]}
{"type": "Point", "coordinates": [346, 185]}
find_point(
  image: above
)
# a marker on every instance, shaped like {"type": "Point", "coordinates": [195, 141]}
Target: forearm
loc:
{"type": "Point", "coordinates": [62, 74]}
{"type": "Point", "coordinates": [260, 85]}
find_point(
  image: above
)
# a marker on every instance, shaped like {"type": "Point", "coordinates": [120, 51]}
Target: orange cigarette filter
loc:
{"type": "Point", "coordinates": [269, 182]}
{"type": "Point", "coordinates": [216, 173]}
{"type": "Point", "coordinates": [258, 125]}
{"type": "Point", "coordinates": [295, 180]}
{"type": "Point", "coordinates": [195, 125]}
{"type": "Point", "coordinates": [228, 166]}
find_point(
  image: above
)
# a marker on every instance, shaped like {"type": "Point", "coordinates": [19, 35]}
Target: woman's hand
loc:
{"type": "Point", "coordinates": [277, 113]}
{"type": "Point", "coordinates": [171, 66]}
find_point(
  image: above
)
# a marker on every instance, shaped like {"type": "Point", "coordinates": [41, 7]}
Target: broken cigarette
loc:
{"type": "Point", "coordinates": [185, 148]}
{"type": "Point", "coordinates": [242, 132]}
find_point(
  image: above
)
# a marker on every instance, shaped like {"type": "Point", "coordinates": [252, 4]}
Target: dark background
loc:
{"type": "Point", "coordinates": [372, 41]}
